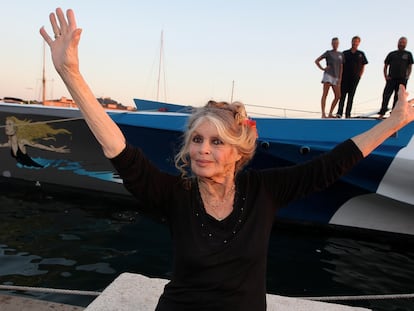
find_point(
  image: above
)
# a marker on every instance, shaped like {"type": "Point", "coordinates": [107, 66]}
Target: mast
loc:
{"type": "Point", "coordinates": [44, 74]}
{"type": "Point", "coordinates": [232, 91]}
{"type": "Point", "coordinates": [160, 64]}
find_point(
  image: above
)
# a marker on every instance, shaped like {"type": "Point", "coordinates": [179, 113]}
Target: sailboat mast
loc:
{"type": "Point", "coordinates": [232, 92]}
{"type": "Point", "coordinates": [44, 75]}
{"type": "Point", "coordinates": [160, 64]}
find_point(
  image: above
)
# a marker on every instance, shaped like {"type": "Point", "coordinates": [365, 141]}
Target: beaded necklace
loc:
{"type": "Point", "coordinates": [215, 204]}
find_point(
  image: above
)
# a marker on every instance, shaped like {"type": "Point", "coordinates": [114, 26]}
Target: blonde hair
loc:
{"type": "Point", "coordinates": [33, 131]}
{"type": "Point", "coordinates": [233, 126]}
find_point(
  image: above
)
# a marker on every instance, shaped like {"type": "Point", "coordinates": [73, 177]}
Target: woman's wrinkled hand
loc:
{"type": "Point", "coordinates": [403, 110]}
{"type": "Point", "coordinates": [64, 45]}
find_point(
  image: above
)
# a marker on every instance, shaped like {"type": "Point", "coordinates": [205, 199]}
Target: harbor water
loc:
{"type": "Point", "coordinates": [76, 242]}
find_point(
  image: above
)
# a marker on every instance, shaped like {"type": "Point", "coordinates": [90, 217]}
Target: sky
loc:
{"type": "Point", "coordinates": [259, 52]}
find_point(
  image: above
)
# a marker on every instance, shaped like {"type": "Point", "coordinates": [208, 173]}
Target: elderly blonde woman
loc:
{"type": "Point", "coordinates": [220, 217]}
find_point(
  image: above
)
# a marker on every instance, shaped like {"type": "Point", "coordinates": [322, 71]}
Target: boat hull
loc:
{"type": "Point", "coordinates": [375, 195]}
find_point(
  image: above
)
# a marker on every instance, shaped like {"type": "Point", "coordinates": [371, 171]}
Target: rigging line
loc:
{"type": "Point", "coordinates": [97, 293]}
{"type": "Point", "coordinates": [279, 108]}
{"type": "Point", "coordinates": [46, 122]}
{"type": "Point", "coordinates": [50, 290]}
{"type": "Point", "coordinates": [282, 114]}
{"type": "Point", "coordinates": [359, 297]}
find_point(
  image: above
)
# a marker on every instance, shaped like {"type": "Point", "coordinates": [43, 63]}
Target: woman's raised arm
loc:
{"type": "Point", "coordinates": [64, 49]}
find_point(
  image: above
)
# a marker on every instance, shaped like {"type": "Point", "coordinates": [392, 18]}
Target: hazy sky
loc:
{"type": "Point", "coordinates": [267, 47]}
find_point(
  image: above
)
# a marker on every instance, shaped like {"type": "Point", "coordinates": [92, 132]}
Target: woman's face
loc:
{"type": "Point", "coordinates": [210, 156]}
{"type": "Point", "coordinates": [10, 129]}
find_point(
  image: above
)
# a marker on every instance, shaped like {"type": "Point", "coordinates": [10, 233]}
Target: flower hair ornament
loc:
{"type": "Point", "coordinates": [250, 123]}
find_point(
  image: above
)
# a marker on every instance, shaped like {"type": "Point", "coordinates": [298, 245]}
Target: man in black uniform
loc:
{"type": "Point", "coordinates": [353, 69]}
{"type": "Point", "coordinates": [397, 70]}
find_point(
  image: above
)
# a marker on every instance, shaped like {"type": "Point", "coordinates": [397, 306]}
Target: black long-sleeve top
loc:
{"type": "Point", "coordinates": [221, 265]}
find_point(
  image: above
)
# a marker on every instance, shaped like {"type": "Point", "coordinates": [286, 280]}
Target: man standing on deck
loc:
{"type": "Point", "coordinates": [353, 69]}
{"type": "Point", "coordinates": [397, 70]}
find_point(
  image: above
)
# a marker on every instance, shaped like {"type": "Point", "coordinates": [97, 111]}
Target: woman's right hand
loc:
{"type": "Point", "coordinates": [403, 111]}
{"type": "Point", "coordinates": [64, 46]}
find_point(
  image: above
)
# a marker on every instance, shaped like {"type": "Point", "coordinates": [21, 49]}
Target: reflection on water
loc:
{"type": "Point", "coordinates": [373, 269]}
{"type": "Point", "coordinates": [84, 245]}
{"type": "Point", "coordinates": [14, 263]}
{"type": "Point", "coordinates": [71, 245]}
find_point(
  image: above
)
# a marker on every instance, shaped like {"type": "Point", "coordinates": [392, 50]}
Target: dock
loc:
{"type": "Point", "coordinates": [131, 292]}
{"type": "Point", "coordinates": [19, 303]}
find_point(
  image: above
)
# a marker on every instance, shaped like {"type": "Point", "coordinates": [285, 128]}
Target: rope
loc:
{"type": "Point", "coordinates": [95, 293]}
{"type": "Point", "coordinates": [359, 297]}
{"type": "Point", "coordinates": [46, 122]}
{"type": "Point", "coordinates": [50, 290]}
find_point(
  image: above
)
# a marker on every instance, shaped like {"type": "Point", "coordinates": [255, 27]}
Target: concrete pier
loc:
{"type": "Point", "coordinates": [131, 292]}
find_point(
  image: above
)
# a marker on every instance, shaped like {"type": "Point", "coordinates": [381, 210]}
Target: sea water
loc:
{"type": "Point", "coordinates": [85, 244]}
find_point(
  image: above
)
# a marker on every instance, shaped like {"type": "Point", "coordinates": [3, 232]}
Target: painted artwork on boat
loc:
{"type": "Point", "coordinates": [22, 134]}
{"type": "Point", "coordinates": [43, 149]}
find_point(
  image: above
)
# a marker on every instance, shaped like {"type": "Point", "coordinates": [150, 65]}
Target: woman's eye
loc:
{"type": "Point", "coordinates": [197, 139]}
{"type": "Point", "coordinates": [217, 141]}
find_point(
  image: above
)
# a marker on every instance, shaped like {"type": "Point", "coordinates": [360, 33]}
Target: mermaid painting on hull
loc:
{"type": "Point", "coordinates": [25, 133]}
